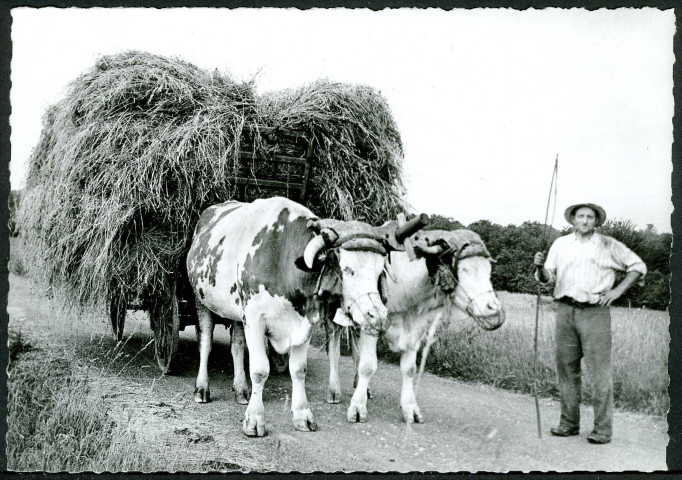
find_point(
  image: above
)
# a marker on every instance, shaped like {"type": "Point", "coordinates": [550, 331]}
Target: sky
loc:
{"type": "Point", "coordinates": [485, 99]}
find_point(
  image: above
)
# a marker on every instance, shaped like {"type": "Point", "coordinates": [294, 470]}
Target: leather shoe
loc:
{"type": "Point", "coordinates": [564, 431]}
{"type": "Point", "coordinates": [598, 438]}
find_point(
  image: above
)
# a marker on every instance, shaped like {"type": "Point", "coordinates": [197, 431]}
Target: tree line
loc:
{"type": "Point", "coordinates": [513, 248]}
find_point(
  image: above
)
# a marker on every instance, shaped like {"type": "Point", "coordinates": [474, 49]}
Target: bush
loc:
{"type": "Point", "coordinates": [13, 203]}
{"type": "Point", "coordinates": [655, 293]}
{"type": "Point", "coordinates": [16, 264]}
{"type": "Point", "coordinates": [17, 345]}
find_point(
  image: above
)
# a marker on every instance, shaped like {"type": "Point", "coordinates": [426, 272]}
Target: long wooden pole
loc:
{"type": "Point", "coordinates": [535, 366]}
{"type": "Point", "coordinates": [552, 185]}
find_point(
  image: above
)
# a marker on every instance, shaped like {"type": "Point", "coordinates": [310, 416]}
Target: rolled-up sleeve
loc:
{"type": "Point", "coordinates": [628, 260]}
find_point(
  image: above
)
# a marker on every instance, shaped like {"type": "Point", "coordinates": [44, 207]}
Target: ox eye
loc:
{"type": "Point", "coordinates": [348, 271]}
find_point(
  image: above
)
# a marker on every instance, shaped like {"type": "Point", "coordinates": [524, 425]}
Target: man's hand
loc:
{"type": "Point", "coordinates": [539, 262]}
{"type": "Point", "coordinates": [606, 298]}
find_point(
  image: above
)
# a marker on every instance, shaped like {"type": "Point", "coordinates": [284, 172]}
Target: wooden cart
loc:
{"type": "Point", "coordinates": [285, 173]}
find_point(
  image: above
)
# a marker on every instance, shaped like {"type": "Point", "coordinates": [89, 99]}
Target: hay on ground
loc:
{"type": "Point", "coordinates": [141, 144]}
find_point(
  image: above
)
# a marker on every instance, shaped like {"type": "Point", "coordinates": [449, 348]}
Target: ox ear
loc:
{"type": "Point", "coordinates": [383, 290]}
{"type": "Point", "coordinates": [300, 264]}
{"type": "Point", "coordinates": [316, 267]}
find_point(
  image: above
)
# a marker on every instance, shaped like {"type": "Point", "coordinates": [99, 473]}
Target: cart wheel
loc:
{"type": "Point", "coordinates": [166, 321]}
{"type": "Point", "coordinates": [117, 315]}
{"type": "Point", "coordinates": [279, 362]}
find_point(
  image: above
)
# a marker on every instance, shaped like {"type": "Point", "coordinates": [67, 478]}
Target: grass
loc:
{"type": "Point", "coordinates": [53, 422]}
{"type": "Point", "coordinates": [66, 378]}
{"type": "Point", "coordinates": [504, 358]}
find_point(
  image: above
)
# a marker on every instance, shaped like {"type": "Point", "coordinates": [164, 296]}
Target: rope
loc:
{"type": "Point", "coordinates": [430, 339]}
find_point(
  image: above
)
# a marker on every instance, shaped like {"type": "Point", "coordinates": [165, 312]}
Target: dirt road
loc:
{"type": "Point", "coordinates": [467, 427]}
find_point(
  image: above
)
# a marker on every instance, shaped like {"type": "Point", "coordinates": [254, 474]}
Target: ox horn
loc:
{"type": "Point", "coordinates": [314, 225]}
{"type": "Point", "coordinates": [315, 245]}
{"type": "Point", "coordinates": [411, 227]}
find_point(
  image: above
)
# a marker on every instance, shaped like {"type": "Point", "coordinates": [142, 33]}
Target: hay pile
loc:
{"type": "Point", "coordinates": [357, 147]}
{"type": "Point", "coordinates": [141, 144]}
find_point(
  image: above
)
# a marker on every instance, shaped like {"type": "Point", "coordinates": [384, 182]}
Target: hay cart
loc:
{"type": "Point", "coordinates": [285, 173]}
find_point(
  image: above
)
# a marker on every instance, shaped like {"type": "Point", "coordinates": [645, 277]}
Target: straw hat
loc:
{"type": "Point", "coordinates": [570, 212]}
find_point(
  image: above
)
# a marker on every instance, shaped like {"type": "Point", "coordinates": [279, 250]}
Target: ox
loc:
{"type": "Point", "coordinates": [454, 269]}
{"type": "Point", "coordinates": [276, 269]}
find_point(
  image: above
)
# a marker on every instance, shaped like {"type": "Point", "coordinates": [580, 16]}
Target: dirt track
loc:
{"type": "Point", "coordinates": [467, 427]}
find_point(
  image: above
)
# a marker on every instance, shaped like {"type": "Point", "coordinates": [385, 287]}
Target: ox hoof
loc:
{"type": "Point", "coordinates": [241, 395]}
{"type": "Point", "coordinates": [254, 425]}
{"type": "Point", "coordinates": [304, 421]}
{"type": "Point", "coordinates": [333, 395]}
{"type": "Point", "coordinates": [412, 414]}
{"type": "Point", "coordinates": [202, 395]}
{"type": "Point", "coordinates": [356, 413]}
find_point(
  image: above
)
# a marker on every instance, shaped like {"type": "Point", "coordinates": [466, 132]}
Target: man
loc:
{"type": "Point", "coordinates": [582, 265]}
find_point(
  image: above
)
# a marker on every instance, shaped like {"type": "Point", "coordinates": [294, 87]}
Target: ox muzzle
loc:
{"type": "Point", "coordinates": [483, 306]}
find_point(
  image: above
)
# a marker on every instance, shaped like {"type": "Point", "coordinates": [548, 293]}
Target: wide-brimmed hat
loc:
{"type": "Point", "coordinates": [570, 212]}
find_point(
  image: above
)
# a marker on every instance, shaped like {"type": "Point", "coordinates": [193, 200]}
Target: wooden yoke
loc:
{"type": "Point", "coordinates": [408, 242]}
{"type": "Point", "coordinates": [399, 238]}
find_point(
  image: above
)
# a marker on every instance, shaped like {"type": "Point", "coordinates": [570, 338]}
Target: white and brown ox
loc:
{"type": "Point", "coordinates": [454, 270]}
{"type": "Point", "coordinates": [274, 267]}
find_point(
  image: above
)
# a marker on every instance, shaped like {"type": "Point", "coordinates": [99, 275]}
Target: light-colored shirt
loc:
{"type": "Point", "coordinates": [583, 270]}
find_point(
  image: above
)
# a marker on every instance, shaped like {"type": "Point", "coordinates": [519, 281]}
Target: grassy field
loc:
{"type": "Point", "coordinates": [504, 358]}
{"type": "Point", "coordinates": [53, 422]}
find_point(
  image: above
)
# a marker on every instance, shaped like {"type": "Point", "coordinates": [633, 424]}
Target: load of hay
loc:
{"type": "Point", "coordinates": [141, 144]}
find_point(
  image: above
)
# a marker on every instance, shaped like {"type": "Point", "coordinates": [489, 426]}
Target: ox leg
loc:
{"type": "Point", "coordinates": [355, 349]}
{"type": "Point", "coordinates": [303, 418]}
{"type": "Point", "coordinates": [239, 385]}
{"type": "Point", "coordinates": [333, 352]}
{"type": "Point", "coordinates": [366, 366]}
{"type": "Point", "coordinates": [204, 327]}
{"type": "Point", "coordinates": [259, 369]}
{"type": "Point", "coordinates": [408, 400]}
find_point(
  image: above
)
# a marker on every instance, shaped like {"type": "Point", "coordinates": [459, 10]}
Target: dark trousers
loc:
{"type": "Point", "coordinates": [584, 332]}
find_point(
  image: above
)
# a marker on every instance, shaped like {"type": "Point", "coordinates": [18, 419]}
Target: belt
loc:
{"type": "Point", "coordinates": [574, 303]}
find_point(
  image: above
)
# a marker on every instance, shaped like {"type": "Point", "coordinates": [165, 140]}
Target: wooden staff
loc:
{"type": "Point", "coordinates": [539, 295]}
